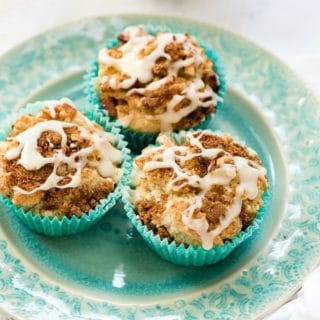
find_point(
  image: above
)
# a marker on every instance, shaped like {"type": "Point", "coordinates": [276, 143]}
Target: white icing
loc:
{"type": "Point", "coordinates": [31, 159]}
{"type": "Point", "coordinates": [248, 177]}
{"type": "Point", "coordinates": [194, 95]}
{"type": "Point", "coordinates": [223, 175]}
{"type": "Point", "coordinates": [201, 225]}
{"type": "Point", "coordinates": [131, 63]}
{"type": "Point", "coordinates": [139, 68]}
{"type": "Point", "coordinates": [52, 104]}
{"type": "Point", "coordinates": [247, 171]}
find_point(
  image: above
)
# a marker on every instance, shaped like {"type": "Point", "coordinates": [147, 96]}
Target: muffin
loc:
{"type": "Point", "coordinates": [157, 83]}
{"type": "Point", "coordinates": [56, 163]}
{"type": "Point", "coordinates": [201, 192]}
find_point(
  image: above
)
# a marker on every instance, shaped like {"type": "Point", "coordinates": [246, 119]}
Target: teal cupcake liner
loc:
{"type": "Point", "coordinates": [190, 256]}
{"type": "Point", "coordinates": [138, 140]}
{"type": "Point", "coordinates": [67, 226]}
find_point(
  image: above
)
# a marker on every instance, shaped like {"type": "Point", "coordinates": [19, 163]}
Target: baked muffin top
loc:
{"type": "Point", "coordinates": [58, 162]}
{"type": "Point", "coordinates": [154, 83]}
{"type": "Point", "coordinates": [201, 192]}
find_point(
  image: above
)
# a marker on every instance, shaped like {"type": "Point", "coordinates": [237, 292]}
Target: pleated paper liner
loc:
{"type": "Point", "coordinates": [191, 256]}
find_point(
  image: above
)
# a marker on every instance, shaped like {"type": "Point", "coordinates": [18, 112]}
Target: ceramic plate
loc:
{"type": "Point", "coordinates": [108, 272]}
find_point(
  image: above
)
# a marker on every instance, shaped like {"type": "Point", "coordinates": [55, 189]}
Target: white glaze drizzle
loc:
{"type": "Point", "coordinates": [140, 68]}
{"type": "Point", "coordinates": [196, 93]}
{"type": "Point", "coordinates": [248, 171]}
{"type": "Point", "coordinates": [131, 63]}
{"type": "Point", "coordinates": [52, 104]}
{"type": "Point", "coordinates": [31, 159]}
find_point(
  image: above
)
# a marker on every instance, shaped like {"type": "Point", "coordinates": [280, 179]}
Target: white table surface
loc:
{"type": "Point", "coordinates": [288, 28]}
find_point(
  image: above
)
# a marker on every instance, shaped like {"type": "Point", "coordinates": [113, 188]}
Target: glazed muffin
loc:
{"type": "Point", "coordinates": [155, 83]}
{"type": "Point", "coordinates": [201, 192]}
{"type": "Point", "coordinates": [58, 163]}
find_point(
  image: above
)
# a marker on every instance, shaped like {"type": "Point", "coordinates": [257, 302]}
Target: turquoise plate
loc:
{"type": "Point", "coordinates": [108, 272]}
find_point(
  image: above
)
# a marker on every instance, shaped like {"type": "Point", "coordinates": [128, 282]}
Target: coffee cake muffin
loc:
{"type": "Point", "coordinates": [57, 163]}
{"type": "Point", "coordinates": [157, 83]}
{"type": "Point", "coordinates": [201, 192]}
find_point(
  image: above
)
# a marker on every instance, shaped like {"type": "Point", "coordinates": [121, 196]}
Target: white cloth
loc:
{"type": "Point", "coordinates": [308, 68]}
{"type": "Point", "coordinates": [306, 305]}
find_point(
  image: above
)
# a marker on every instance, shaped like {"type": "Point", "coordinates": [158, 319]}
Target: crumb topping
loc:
{"type": "Point", "coordinates": [58, 162]}
{"type": "Point", "coordinates": [157, 83]}
{"type": "Point", "coordinates": [203, 191]}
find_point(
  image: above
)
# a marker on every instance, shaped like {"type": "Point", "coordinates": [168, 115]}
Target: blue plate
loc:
{"type": "Point", "coordinates": [108, 272]}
